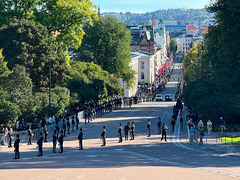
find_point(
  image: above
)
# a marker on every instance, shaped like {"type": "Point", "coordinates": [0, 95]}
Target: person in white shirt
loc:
{"type": "Point", "coordinates": [209, 126]}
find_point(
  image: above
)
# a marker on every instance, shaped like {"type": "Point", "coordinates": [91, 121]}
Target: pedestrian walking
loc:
{"type": "Point", "coordinates": [209, 126]}
{"type": "Point", "coordinates": [181, 121]}
{"type": "Point", "coordinates": [30, 136]}
{"type": "Point", "coordinates": [126, 130]}
{"type": "Point", "coordinates": [173, 124]}
{"type": "Point", "coordinates": [16, 146]}
{"type": "Point", "coordinates": [159, 125]}
{"type": "Point", "coordinates": [10, 137]}
{"type": "Point", "coordinates": [164, 132]}
{"type": "Point", "coordinates": [103, 136]}
{"type": "Point", "coordinates": [45, 133]}
{"type": "Point", "coordinates": [132, 130]}
{"type": "Point", "coordinates": [80, 138]}
{"type": "Point", "coordinates": [120, 133]}
{"type": "Point", "coordinates": [57, 130]}
{"type": "Point", "coordinates": [54, 140]}
{"type": "Point", "coordinates": [222, 125]}
{"type": "Point", "coordinates": [192, 133]}
{"type": "Point", "coordinates": [40, 145]}
{"type": "Point", "coordinates": [200, 125]}
{"type": "Point", "coordinates": [148, 128]}
{"type": "Point", "coordinates": [60, 141]}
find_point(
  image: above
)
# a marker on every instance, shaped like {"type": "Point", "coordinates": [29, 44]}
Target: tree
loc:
{"type": "Point", "coordinates": [63, 17]}
{"type": "Point", "coordinates": [26, 43]}
{"type": "Point", "coordinates": [106, 43]}
{"type": "Point", "coordinates": [4, 71]}
{"type": "Point", "coordinates": [173, 45]}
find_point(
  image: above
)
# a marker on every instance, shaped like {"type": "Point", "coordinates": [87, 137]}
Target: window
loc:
{"type": "Point", "coordinates": [142, 75]}
{"type": "Point", "coordinates": [142, 65]}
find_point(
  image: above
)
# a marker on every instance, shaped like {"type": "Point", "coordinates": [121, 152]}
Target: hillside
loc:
{"type": "Point", "coordinates": [166, 14]}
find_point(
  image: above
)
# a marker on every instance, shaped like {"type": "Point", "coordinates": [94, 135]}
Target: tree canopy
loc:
{"type": "Point", "coordinates": [212, 69]}
{"type": "Point", "coordinates": [106, 43]}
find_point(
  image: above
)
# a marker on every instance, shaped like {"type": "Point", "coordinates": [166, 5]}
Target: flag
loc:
{"type": "Point", "coordinates": [155, 21]}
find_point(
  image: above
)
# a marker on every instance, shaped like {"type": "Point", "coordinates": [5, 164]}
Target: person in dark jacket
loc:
{"type": "Point", "coordinates": [77, 121]}
{"type": "Point", "coordinates": [64, 128]}
{"type": "Point", "coordinates": [73, 123]}
{"type": "Point", "coordinates": [16, 146]}
{"type": "Point", "coordinates": [159, 125]}
{"type": "Point", "coordinates": [103, 136]}
{"type": "Point", "coordinates": [54, 136]}
{"type": "Point", "coordinates": [68, 126]}
{"type": "Point", "coordinates": [149, 128]}
{"type": "Point", "coordinates": [120, 133]}
{"type": "Point", "coordinates": [29, 136]}
{"type": "Point", "coordinates": [80, 138]}
{"type": "Point", "coordinates": [45, 133]}
{"type": "Point", "coordinates": [132, 131]}
{"type": "Point", "coordinates": [40, 144]}
{"type": "Point", "coordinates": [164, 132]}
{"type": "Point", "coordinates": [126, 130]}
{"type": "Point", "coordinates": [60, 141]}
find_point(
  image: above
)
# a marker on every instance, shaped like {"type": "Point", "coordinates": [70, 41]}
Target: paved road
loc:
{"type": "Point", "coordinates": [143, 158]}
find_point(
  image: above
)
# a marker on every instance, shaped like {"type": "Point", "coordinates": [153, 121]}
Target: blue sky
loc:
{"type": "Point", "coordinates": [140, 6]}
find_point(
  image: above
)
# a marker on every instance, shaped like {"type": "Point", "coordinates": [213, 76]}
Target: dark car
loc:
{"type": "Point", "coordinates": [168, 97]}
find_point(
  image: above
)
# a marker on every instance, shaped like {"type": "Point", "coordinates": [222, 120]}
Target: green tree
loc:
{"type": "Point", "coordinates": [26, 43]}
{"type": "Point", "coordinates": [63, 17]}
{"type": "Point", "coordinates": [106, 43]}
{"type": "Point", "coordinates": [173, 45]}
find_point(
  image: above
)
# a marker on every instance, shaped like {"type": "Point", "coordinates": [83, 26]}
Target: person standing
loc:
{"type": "Point", "coordinates": [209, 126]}
{"type": "Point", "coordinates": [103, 136]}
{"type": "Point", "coordinates": [10, 136]}
{"type": "Point", "coordinates": [60, 141]}
{"type": "Point", "coordinates": [68, 126]}
{"type": "Point", "coordinates": [222, 125]}
{"type": "Point", "coordinates": [120, 133]}
{"type": "Point", "coordinates": [30, 136]}
{"type": "Point", "coordinates": [149, 128]}
{"type": "Point", "coordinates": [77, 121]}
{"type": "Point", "coordinates": [40, 144]}
{"type": "Point", "coordinates": [73, 123]}
{"type": "Point", "coordinates": [64, 128]}
{"type": "Point", "coordinates": [200, 125]}
{"type": "Point", "coordinates": [80, 138]}
{"type": "Point", "coordinates": [159, 125]}
{"type": "Point", "coordinates": [164, 132]}
{"type": "Point", "coordinates": [57, 129]}
{"type": "Point", "coordinates": [173, 124]}
{"type": "Point", "coordinates": [132, 131]}
{"type": "Point", "coordinates": [54, 136]}
{"type": "Point", "coordinates": [16, 146]}
{"type": "Point", "coordinates": [201, 134]}
{"type": "Point", "coordinates": [126, 130]}
{"type": "Point", "coordinates": [192, 132]}
{"type": "Point", "coordinates": [45, 133]}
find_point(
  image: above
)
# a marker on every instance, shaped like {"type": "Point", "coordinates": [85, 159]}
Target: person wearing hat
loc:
{"type": "Point", "coordinates": [16, 146]}
{"type": "Point", "coordinates": [54, 136]}
{"type": "Point", "coordinates": [60, 141]}
{"type": "Point", "coordinates": [103, 136]}
{"type": "Point", "coordinates": [40, 144]}
{"type": "Point", "coordinates": [80, 138]}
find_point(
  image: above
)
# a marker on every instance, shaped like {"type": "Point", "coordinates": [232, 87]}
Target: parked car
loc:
{"type": "Point", "coordinates": [168, 97]}
{"type": "Point", "coordinates": [158, 97]}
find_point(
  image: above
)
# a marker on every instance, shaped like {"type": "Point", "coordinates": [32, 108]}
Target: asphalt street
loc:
{"type": "Point", "coordinates": [142, 158]}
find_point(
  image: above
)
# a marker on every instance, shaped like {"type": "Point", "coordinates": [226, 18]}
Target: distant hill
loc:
{"type": "Point", "coordinates": [168, 14]}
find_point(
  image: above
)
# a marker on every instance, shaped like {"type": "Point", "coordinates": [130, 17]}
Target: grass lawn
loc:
{"type": "Point", "coordinates": [234, 140]}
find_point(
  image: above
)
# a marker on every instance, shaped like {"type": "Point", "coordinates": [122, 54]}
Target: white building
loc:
{"type": "Point", "coordinates": [131, 91]}
{"type": "Point", "coordinates": [146, 71]}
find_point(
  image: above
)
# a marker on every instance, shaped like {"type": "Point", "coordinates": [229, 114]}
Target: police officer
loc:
{"type": "Point", "coordinates": [132, 131]}
{"type": "Point", "coordinates": [120, 133]}
{"type": "Point", "coordinates": [103, 136]}
{"type": "Point", "coordinates": [80, 138]}
{"type": "Point", "coordinates": [149, 128]}
{"type": "Point", "coordinates": [54, 136]}
{"type": "Point", "coordinates": [40, 144]}
{"type": "Point", "coordinates": [60, 141]}
{"type": "Point", "coordinates": [29, 136]}
{"type": "Point", "coordinates": [16, 146]}
{"type": "Point", "coordinates": [164, 132]}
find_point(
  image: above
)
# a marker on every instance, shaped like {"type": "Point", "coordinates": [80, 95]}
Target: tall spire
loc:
{"type": "Point", "coordinates": [99, 12]}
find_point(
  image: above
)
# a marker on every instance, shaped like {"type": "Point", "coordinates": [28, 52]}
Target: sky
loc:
{"type": "Point", "coordinates": [142, 6]}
